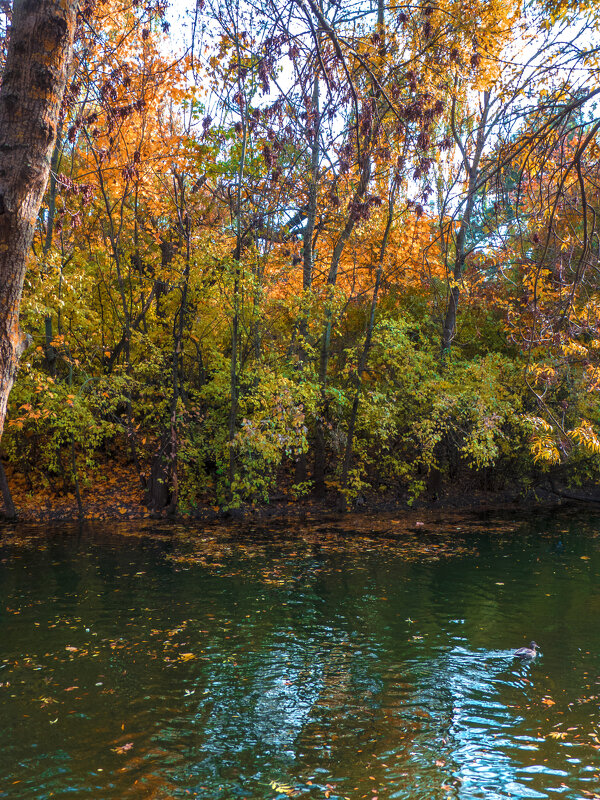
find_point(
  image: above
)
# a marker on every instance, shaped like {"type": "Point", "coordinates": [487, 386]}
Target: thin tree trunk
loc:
{"type": "Point", "coordinates": [33, 84]}
{"type": "Point", "coordinates": [75, 473]}
{"type": "Point", "coordinates": [178, 328]}
{"type": "Point", "coordinates": [359, 194]}
{"type": "Point", "coordinates": [308, 248]}
{"type": "Point", "coordinates": [52, 189]}
{"type": "Point", "coordinates": [365, 167]}
{"type": "Point", "coordinates": [364, 356]}
{"type": "Point", "coordinates": [10, 512]}
{"type": "Point", "coordinates": [235, 324]}
{"type": "Point", "coordinates": [311, 211]}
{"type": "Point", "coordinates": [460, 254]}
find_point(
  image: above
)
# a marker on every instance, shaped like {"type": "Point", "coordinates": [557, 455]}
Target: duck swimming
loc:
{"type": "Point", "coordinates": [527, 652]}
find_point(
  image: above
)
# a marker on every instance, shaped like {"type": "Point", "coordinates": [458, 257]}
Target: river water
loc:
{"type": "Point", "coordinates": [363, 659]}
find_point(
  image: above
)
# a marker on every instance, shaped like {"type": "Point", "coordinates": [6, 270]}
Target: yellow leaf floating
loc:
{"type": "Point", "coordinates": [281, 788]}
{"type": "Point", "coordinates": [187, 657]}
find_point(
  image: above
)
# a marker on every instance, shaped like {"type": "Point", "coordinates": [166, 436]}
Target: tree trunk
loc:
{"type": "Point", "coordinates": [33, 83]}
{"type": "Point", "coordinates": [472, 171]}
{"type": "Point", "coordinates": [10, 512]}
{"type": "Point", "coordinates": [364, 355]}
{"type": "Point", "coordinates": [178, 345]}
{"type": "Point", "coordinates": [158, 487]}
{"type": "Point", "coordinates": [235, 322]}
{"type": "Point", "coordinates": [301, 471]}
{"type": "Point", "coordinates": [52, 191]}
{"type": "Point", "coordinates": [319, 468]}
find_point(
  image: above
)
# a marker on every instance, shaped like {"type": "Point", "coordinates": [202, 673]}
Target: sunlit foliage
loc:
{"type": "Point", "coordinates": [325, 249]}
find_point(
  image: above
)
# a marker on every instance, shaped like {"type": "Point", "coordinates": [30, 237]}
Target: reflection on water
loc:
{"type": "Point", "coordinates": [185, 664]}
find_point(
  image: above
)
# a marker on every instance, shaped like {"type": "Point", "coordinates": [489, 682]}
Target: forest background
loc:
{"type": "Point", "coordinates": [323, 249]}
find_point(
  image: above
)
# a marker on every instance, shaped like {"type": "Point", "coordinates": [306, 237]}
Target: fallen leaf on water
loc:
{"type": "Point", "coordinates": [123, 748]}
{"type": "Point", "coordinates": [281, 788]}
{"type": "Point", "coordinates": [45, 701]}
{"type": "Point", "coordinates": [548, 701]}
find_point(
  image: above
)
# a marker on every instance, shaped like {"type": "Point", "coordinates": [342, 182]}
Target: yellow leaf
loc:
{"type": "Point", "coordinates": [187, 657]}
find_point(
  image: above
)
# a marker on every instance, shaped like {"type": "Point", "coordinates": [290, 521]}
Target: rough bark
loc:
{"type": "Point", "coordinates": [33, 83]}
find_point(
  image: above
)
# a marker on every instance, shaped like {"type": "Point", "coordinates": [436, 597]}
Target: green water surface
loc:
{"type": "Point", "coordinates": [328, 660]}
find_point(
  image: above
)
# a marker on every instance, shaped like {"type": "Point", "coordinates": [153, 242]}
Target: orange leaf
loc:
{"type": "Point", "coordinates": [548, 701]}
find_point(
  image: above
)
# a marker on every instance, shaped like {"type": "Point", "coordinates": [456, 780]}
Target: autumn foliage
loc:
{"type": "Point", "coordinates": [319, 249]}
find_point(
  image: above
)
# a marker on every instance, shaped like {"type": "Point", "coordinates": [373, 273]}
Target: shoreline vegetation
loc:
{"type": "Point", "coordinates": [116, 497]}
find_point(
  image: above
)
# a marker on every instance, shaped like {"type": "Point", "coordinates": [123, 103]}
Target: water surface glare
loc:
{"type": "Point", "coordinates": [347, 660]}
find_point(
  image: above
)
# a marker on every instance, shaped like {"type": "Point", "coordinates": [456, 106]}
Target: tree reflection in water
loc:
{"type": "Point", "coordinates": [343, 666]}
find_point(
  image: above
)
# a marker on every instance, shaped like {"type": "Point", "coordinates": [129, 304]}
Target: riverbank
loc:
{"type": "Point", "coordinates": [116, 494]}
